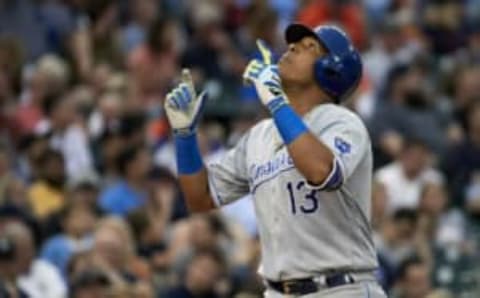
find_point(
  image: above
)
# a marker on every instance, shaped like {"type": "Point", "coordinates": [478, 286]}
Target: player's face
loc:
{"type": "Point", "coordinates": [296, 64]}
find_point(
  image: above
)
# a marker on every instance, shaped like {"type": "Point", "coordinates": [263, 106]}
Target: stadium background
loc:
{"type": "Point", "coordinates": [89, 202]}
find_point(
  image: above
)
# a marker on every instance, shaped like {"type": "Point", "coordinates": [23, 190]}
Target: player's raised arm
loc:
{"type": "Point", "coordinates": [311, 156]}
{"type": "Point", "coordinates": [183, 108]}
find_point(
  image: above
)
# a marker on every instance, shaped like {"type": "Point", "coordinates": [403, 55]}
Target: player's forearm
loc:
{"type": "Point", "coordinates": [195, 191]}
{"type": "Point", "coordinates": [192, 174]}
{"type": "Point", "coordinates": [311, 157]}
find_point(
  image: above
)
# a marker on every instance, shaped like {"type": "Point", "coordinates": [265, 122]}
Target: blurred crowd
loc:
{"type": "Point", "coordinates": [89, 201]}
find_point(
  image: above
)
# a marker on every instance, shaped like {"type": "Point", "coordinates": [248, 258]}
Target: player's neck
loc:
{"type": "Point", "coordinates": [304, 100]}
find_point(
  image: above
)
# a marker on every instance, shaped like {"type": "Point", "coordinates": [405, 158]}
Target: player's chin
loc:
{"type": "Point", "coordinates": [282, 69]}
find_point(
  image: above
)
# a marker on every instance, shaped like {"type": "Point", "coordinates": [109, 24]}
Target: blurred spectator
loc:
{"type": "Point", "coordinates": [407, 105]}
{"type": "Point", "coordinates": [149, 236]}
{"type": "Point", "coordinates": [48, 80]}
{"type": "Point", "coordinates": [154, 64]}
{"type": "Point", "coordinates": [90, 283]}
{"type": "Point", "coordinates": [379, 204]}
{"type": "Point", "coordinates": [110, 145]}
{"type": "Point", "coordinates": [47, 194]}
{"type": "Point", "coordinates": [200, 232]}
{"type": "Point", "coordinates": [11, 61]}
{"type": "Point", "coordinates": [347, 13]}
{"type": "Point", "coordinates": [444, 24]}
{"type": "Point", "coordinates": [463, 160]}
{"type": "Point", "coordinates": [128, 193]}
{"type": "Point", "coordinates": [444, 225]}
{"type": "Point", "coordinates": [104, 32]}
{"type": "Point", "coordinates": [202, 277]}
{"type": "Point", "coordinates": [114, 252]}
{"type": "Point", "coordinates": [133, 127]}
{"type": "Point", "coordinates": [8, 276]}
{"type": "Point", "coordinates": [211, 55]}
{"type": "Point", "coordinates": [5, 173]}
{"type": "Point", "coordinates": [394, 243]}
{"type": "Point", "coordinates": [30, 150]}
{"type": "Point", "coordinates": [389, 47]}
{"type": "Point", "coordinates": [403, 179]}
{"type": "Point", "coordinates": [78, 220]}
{"type": "Point", "coordinates": [37, 278]}
{"type": "Point", "coordinates": [413, 279]}
{"type": "Point", "coordinates": [143, 13]}
{"type": "Point", "coordinates": [106, 116]}
{"type": "Point", "coordinates": [67, 136]}
{"type": "Point", "coordinates": [466, 91]}
{"type": "Point", "coordinates": [20, 19]}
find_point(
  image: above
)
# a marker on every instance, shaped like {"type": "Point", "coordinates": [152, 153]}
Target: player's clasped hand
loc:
{"type": "Point", "coordinates": [266, 79]}
{"type": "Point", "coordinates": [183, 106]}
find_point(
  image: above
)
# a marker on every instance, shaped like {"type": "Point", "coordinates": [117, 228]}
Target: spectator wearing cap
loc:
{"type": "Point", "coordinates": [128, 193]}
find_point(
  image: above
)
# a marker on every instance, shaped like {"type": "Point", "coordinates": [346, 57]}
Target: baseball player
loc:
{"type": "Point", "coordinates": [308, 167]}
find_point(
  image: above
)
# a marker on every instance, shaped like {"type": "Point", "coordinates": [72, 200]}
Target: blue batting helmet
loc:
{"type": "Point", "coordinates": [339, 71]}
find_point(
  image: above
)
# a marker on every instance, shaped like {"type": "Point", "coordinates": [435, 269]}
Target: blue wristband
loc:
{"type": "Point", "coordinates": [187, 153]}
{"type": "Point", "coordinates": [289, 124]}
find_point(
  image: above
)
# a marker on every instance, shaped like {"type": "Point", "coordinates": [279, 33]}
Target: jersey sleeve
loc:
{"type": "Point", "coordinates": [349, 142]}
{"type": "Point", "coordinates": [228, 176]}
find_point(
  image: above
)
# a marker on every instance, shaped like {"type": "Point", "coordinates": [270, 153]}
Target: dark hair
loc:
{"type": "Point", "coordinates": [156, 34]}
{"type": "Point", "coordinates": [28, 140]}
{"type": "Point", "coordinates": [408, 214]}
{"type": "Point", "coordinates": [139, 221]}
{"type": "Point", "coordinates": [396, 72]}
{"type": "Point", "coordinates": [213, 253]}
{"type": "Point", "coordinates": [406, 264]}
{"type": "Point", "coordinates": [50, 103]}
{"type": "Point", "coordinates": [161, 174]}
{"type": "Point", "coordinates": [85, 186]}
{"type": "Point", "coordinates": [126, 156]}
{"type": "Point", "coordinates": [413, 142]}
{"type": "Point", "coordinates": [97, 8]}
{"type": "Point", "coordinates": [132, 122]}
{"type": "Point", "coordinates": [73, 206]}
{"type": "Point", "coordinates": [7, 248]}
{"type": "Point", "coordinates": [87, 278]}
{"type": "Point", "coordinates": [49, 155]}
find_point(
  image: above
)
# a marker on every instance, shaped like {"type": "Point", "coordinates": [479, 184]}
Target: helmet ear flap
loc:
{"type": "Point", "coordinates": [326, 73]}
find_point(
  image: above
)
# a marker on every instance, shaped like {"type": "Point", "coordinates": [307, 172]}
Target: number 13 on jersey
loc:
{"type": "Point", "coordinates": [305, 202]}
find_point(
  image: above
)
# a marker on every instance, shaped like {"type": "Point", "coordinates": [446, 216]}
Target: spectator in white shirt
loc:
{"type": "Point", "coordinates": [37, 278]}
{"type": "Point", "coordinates": [67, 135]}
{"type": "Point", "coordinates": [404, 178]}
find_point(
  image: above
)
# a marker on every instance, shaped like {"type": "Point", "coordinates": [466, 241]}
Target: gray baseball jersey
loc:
{"type": "Point", "coordinates": [304, 229]}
